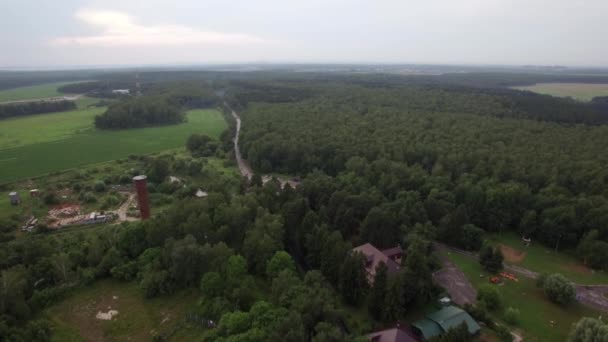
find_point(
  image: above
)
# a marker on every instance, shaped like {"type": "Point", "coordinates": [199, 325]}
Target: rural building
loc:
{"type": "Point", "coordinates": [94, 218]}
{"type": "Point", "coordinates": [374, 257]}
{"type": "Point", "coordinates": [396, 334]}
{"type": "Point", "coordinates": [121, 91]}
{"type": "Point", "coordinates": [200, 193]}
{"type": "Point", "coordinates": [34, 193]}
{"type": "Point", "coordinates": [441, 321]}
{"type": "Point", "coordinates": [14, 198]}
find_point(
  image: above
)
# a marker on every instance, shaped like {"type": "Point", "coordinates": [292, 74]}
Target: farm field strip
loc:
{"type": "Point", "coordinates": [88, 145]}
{"type": "Point", "coordinates": [578, 91]}
{"type": "Point", "coordinates": [33, 92]}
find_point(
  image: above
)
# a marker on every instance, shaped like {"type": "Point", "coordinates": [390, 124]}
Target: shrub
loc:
{"type": "Point", "coordinates": [559, 289]}
{"type": "Point", "coordinates": [512, 316]}
{"type": "Point", "coordinates": [489, 295]}
{"type": "Point", "coordinates": [99, 186]}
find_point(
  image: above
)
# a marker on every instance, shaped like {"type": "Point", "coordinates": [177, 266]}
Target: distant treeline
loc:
{"type": "Point", "coordinates": [38, 107]}
{"type": "Point", "coordinates": [139, 112]}
{"type": "Point", "coordinates": [498, 102]}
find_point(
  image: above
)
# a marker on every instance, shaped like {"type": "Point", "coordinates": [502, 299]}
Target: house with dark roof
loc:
{"type": "Point", "coordinates": [396, 334]}
{"type": "Point", "coordinates": [390, 257]}
{"type": "Point", "coordinates": [443, 320]}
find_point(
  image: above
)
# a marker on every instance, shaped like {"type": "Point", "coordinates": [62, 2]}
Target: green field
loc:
{"type": "Point", "coordinates": [578, 91]}
{"type": "Point", "coordinates": [536, 311]}
{"type": "Point", "coordinates": [39, 144]}
{"type": "Point", "coordinates": [541, 259]}
{"type": "Point", "coordinates": [138, 319]}
{"type": "Point", "coordinates": [32, 92]}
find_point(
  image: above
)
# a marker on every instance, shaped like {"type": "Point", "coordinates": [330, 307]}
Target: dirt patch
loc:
{"type": "Point", "coordinates": [512, 255]}
{"type": "Point", "coordinates": [577, 268]}
{"type": "Point", "coordinates": [451, 278]}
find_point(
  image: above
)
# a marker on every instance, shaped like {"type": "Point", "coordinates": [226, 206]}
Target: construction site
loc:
{"type": "Point", "coordinates": [134, 206]}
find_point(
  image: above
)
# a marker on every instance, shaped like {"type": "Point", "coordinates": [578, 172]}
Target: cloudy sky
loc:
{"type": "Point", "coordinates": [142, 32]}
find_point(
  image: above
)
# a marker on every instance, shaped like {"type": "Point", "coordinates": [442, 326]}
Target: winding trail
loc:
{"type": "Point", "coordinates": [246, 170]}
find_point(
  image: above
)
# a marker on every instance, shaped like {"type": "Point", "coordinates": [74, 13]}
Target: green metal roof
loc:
{"type": "Point", "coordinates": [441, 321]}
{"type": "Point", "coordinates": [427, 328]}
{"type": "Point", "coordinates": [451, 317]}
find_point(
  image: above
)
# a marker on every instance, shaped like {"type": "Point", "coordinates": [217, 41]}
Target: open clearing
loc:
{"type": "Point", "coordinates": [541, 259]}
{"type": "Point", "coordinates": [71, 144]}
{"type": "Point", "coordinates": [33, 92]}
{"type": "Point", "coordinates": [137, 318]}
{"type": "Point", "coordinates": [578, 91]}
{"type": "Point", "coordinates": [541, 319]}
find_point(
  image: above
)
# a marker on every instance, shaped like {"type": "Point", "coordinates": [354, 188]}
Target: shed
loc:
{"type": "Point", "coordinates": [443, 320]}
{"type": "Point", "coordinates": [14, 198]}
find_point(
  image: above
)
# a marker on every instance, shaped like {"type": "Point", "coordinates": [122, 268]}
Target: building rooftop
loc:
{"type": "Point", "coordinates": [374, 258]}
{"type": "Point", "coordinates": [391, 335]}
{"type": "Point", "coordinates": [140, 177]}
{"type": "Point", "coordinates": [441, 321]}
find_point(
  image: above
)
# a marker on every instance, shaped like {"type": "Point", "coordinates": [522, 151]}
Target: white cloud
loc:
{"type": "Point", "coordinates": [120, 29]}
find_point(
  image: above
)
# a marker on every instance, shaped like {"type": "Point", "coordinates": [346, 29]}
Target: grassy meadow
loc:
{"type": "Point", "coordinates": [32, 92]}
{"type": "Point", "coordinates": [138, 319]}
{"type": "Point", "coordinates": [40, 144]}
{"type": "Point", "coordinates": [542, 259]}
{"type": "Point", "coordinates": [578, 91]}
{"type": "Point", "coordinates": [540, 319]}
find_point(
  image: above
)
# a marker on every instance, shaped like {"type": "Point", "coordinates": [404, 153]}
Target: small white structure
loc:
{"type": "Point", "coordinates": [14, 198]}
{"type": "Point", "coordinates": [106, 316]}
{"type": "Point", "coordinates": [94, 218]}
{"type": "Point", "coordinates": [200, 193]}
{"type": "Point", "coordinates": [174, 180]}
{"type": "Point", "coordinates": [121, 91]}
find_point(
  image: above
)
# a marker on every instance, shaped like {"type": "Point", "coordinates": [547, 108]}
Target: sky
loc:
{"type": "Point", "coordinates": [60, 33]}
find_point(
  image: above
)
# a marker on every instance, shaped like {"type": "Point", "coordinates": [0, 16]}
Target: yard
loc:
{"type": "Point", "coordinates": [540, 319]}
{"type": "Point", "coordinates": [540, 258]}
{"type": "Point", "coordinates": [578, 91]}
{"type": "Point", "coordinates": [40, 144]}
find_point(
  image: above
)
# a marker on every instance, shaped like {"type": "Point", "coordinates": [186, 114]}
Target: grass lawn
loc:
{"type": "Point", "coordinates": [578, 91]}
{"type": "Point", "coordinates": [138, 319]}
{"type": "Point", "coordinates": [33, 92]}
{"type": "Point", "coordinates": [536, 311]}
{"type": "Point", "coordinates": [63, 141]}
{"type": "Point", "coordinates": [539, 258]}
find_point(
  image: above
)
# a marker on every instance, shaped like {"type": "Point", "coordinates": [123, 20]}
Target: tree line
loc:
{"type": "Point", "coordinates": [35, 107]}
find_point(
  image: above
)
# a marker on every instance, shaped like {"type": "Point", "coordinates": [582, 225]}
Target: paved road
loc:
{"type": "Point", "coordinates": [595, 296]}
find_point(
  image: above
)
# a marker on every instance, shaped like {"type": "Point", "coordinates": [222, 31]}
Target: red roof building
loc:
{"type": "Point", "coordinates": [390, 257]}
{"type": "Point", "coordinates": [396, 334]}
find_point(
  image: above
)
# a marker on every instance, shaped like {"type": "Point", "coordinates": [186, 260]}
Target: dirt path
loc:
{"type": "Point", "coordinates": [451, 278]}
{"type": "Point", "coordinates": [123, 209]}
{"type": "Point", "coordinates": [595, 296]}
{"type": "Point", "coordinates": [246, 170]}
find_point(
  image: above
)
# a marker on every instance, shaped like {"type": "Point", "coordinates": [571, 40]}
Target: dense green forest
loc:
{"type": "Point", "coordinates": [453, 158]}
{"type": "Point", "coordinates": [37, 107]}
{"type": "Point", "coordinates": [139, 112]}
{"type": "Point", "coordinates": [384, 159]}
